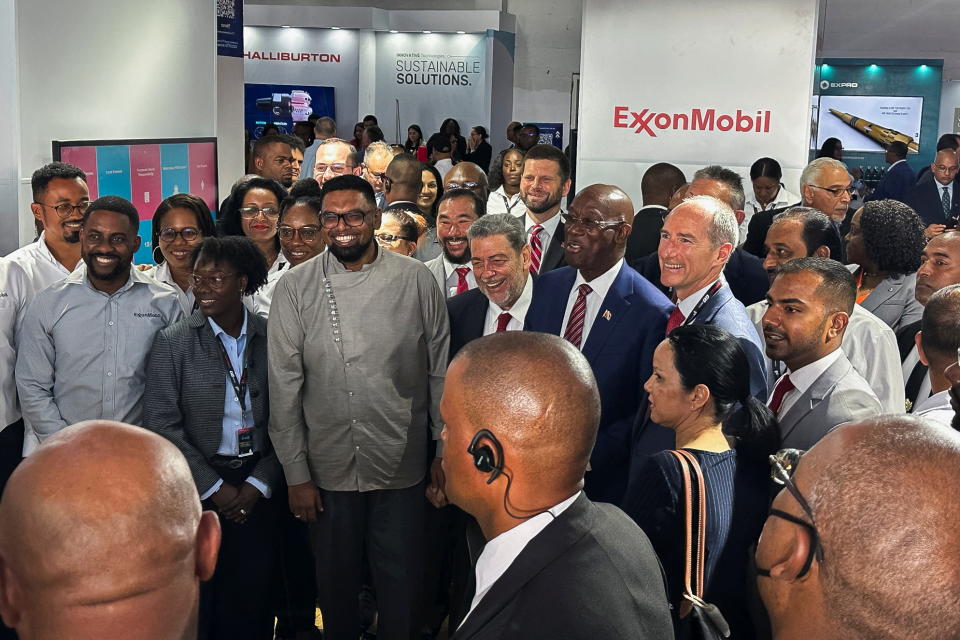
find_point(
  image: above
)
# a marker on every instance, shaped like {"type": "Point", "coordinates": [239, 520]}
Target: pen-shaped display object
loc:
{"type": "Point", "coordinates": [879, 134]}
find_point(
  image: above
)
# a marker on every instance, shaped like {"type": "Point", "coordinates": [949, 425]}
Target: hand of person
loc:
{"type": "Point", "coordinates": [305, 501]}
{"type": "Point", "coordinates": [244, 502]}
{"type": "Point", "coordinates": [224, 496]}
{"type": "Point", "coordinates": [934, 230]}
{"type": "Point", "coordinates": [435, 491]}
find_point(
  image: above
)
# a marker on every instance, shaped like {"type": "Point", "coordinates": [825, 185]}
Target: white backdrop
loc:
{"type": "Point", "coordinates": [434, 76]}
{"type": "Point", "coordinates": [693, 83]}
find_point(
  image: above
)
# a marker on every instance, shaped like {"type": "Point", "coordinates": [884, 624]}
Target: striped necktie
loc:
{"type": "Point", "coordinates": [578, 314]}
{"type": "Point", "coordinates": [536, 249]}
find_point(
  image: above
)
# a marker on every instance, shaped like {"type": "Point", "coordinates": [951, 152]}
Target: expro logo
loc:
{"type": "Point", "coordinates": [824, 84]}
{"type": "Point", "coordinates": [700, 119]}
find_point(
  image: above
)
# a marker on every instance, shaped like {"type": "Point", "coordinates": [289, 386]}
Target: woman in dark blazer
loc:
{"type": "Point", "coordinates": [207, 393]}
{"type": "Point", "coordinates": [699, 390]}
{"type": "Point", "coordinates": [479, 150]}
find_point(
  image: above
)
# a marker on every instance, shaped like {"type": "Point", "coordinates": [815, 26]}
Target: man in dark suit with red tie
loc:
{"type": "Point", "coordinates": [544, 182]}
{"type": "Point", "coordinates": [613, 315]}
{"type": "Point", "coordinates": [501, 263]}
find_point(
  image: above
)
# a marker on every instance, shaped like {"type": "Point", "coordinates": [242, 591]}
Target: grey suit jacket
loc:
{"type": "Point", "coordinates": [839, 395]}
{"type": "Point", "coordinates": [893, 300]}
{"type": "Point", "coordinates": [186, 383]}
{"type": "Point", "coordinates": [436, 268]}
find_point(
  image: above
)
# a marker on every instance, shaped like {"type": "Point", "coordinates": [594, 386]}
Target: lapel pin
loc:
{"type": "Point", "coordinates": [607, 315]}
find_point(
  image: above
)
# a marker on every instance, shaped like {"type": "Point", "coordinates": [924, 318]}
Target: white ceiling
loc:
{"type": "Point", "coordinates": [892, 29]}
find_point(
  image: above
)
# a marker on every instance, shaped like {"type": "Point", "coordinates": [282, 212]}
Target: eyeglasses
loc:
{"type": "Point", "coordinates": [169, 234]}
{"type": "Point", "coordinates": [330, 220]}
{"type": "Point", "coordinates": [589, 226]}
{"type": "Point", "coordinates": [783, 464]}
{"type": "Point", "coordinates": [337, 169]}
{"type": "Point", "coordinates": [253, 212]}
{"type": "Point", "coordinates": [389, 238]}
{"type": "Point", "coordinates": [64, 210]}
{"type": "Point", "coordinates": [307, 234]}
{"type": "Point", "coordinates": [461, 185]}
{"type": "Point", "coordinates": [216, 281]}
{"type": "Point", "coordinates": [837, 192]}
{"type": "Point", "coordinates": [379, 175]}
{"type": "Point", "coordinates": [946, 169]}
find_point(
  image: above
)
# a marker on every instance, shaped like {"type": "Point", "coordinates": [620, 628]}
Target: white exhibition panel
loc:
{"type": "Point", "coordinates": [693, 83]}
{"type": "Point", "coordinates": [433, 77]}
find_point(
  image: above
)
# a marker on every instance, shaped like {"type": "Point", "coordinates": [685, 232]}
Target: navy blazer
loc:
{"type": "Point", "coordinates": [896, 184]}
{"type": "Point", "coordinates": [468, 314]}
{"type": "Point", "coordinates": [927, 200]}
{"type": "Point", "coordinates": [744, 272]}
{"type": "Point", "coordinates": [630, 324]}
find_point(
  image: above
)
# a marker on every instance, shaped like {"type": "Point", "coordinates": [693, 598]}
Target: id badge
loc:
{"type": "Point", "coordinates": [245, 441]}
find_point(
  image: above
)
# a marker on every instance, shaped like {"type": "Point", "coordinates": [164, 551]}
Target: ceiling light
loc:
{"type": "Point", "coordinates": [335, 28]}
{"type": "Point", "coordinates": [393, 31]}
{"type": "Point", "coordinates": [425, 31]}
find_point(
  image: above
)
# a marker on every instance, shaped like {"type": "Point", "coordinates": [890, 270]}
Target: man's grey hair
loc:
{"type": "Point", "coordinates": [724, 228]}
{"type": "Point", "coordinates": [325, 126]}
{"type": "Point", "coordinates": [500, 224]}
{"type": "Point", "coordinates": [378, 148]}
{"type": "Point", "coordinates": [811, 172]}
{"type": "Point", "coordinates": [353, 157]}
{"type": "Point", "coordinates": [730, 179]}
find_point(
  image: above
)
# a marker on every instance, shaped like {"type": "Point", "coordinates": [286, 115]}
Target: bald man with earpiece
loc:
{"type": "Point", "coordinates": [521, 412]}
{"type": "Point", "coordinates": [102, 536]}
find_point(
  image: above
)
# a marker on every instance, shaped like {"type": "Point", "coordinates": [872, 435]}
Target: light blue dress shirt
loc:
{"type": "Point", "coordinates": [233, 416]}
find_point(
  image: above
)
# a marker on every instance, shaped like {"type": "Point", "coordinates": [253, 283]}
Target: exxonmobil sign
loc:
{"type": "Point", "coordinates": [699, 119]}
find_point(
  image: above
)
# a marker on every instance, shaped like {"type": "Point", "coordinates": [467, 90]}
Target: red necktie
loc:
{"type": "Point", "coordinates": [503, 320]}
{"type": "Point", "coordinates": [462, 284]}
{"type": "Point", "coordinates": [675, 320]}
{"type": "Point", "coordinates": [784, 386]}
{"type": "Point", "coordinates": [574, 332]}
{"type": "Point", "coordinates": [536, 249]}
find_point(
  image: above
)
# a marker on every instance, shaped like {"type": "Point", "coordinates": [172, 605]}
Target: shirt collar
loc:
{"type": "Point", "coordinates": [895, 164]}
{"type": "Point", "coordinates": [45, 252]}
{"type": "Point", "coordinates": [688, 304]}
{"type": "Point", "coordinates": [804, 377]}
{"type": "Point", "coordinates": [602, 283]}
{"type": "Point", "coordinates": [935, 402]}
{"type": "Point", "coordinates": [79, 276]}
{"type": "Point", "coordinates": [550, 226]}
{"type": "Point", "coordinates": [449, 267]}
{"type": "Point", "coordinates": [218, 331]}
{"type": "Point", "coordinates": [519, 308]}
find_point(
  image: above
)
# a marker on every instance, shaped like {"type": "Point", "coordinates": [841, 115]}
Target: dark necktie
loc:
{"type": "Point", "coordinates": [503, 320]}
{"type": "Point", "coordinates": [675, 320]}
{"type": "Point", "coordinates": [912, 388]}
{"type": "Point", "coordinates": [536, 249]}
{"type": "Point", "coordinates": [945, 201]}
{"type": "Point", "coordinates": [783, 387]}
{"type": "Point", "coordinates": [578, 314]}
{"type": "Point", "coordinates": [462, 284]}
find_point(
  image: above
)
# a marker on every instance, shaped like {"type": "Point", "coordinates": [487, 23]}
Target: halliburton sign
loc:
{"type": "Point", "coordinates": [647, 121]}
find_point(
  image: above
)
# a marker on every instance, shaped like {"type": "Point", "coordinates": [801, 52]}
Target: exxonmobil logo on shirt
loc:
{"type": "Point", "coordinates": [699, 119]}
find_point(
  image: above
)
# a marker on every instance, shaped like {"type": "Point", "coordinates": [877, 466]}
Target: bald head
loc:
{"type": "Point", "coordinates": [537, 393]}
{"type": "Point", "coordinates": [101, 531]}
{"type": "Point", "coordinates": [944, 166]}
{"type": "Point", "coordinates": [885, 496]}
{"type": "Point", "coordinates": [404, 179]}
{"type": "Point", "coordinates": [615, 204]}
{"type": "Point", "coordinates": [467, 175]}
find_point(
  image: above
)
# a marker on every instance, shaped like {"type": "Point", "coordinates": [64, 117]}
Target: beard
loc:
{"type": "Point", "coordinates": [120, 268]}
{"type": "Point", "coordinates": [461, 259]}
{"type": "Point", "coordinates": [552, 200]}
{"type": "Point", "coordinates": [351, 253]}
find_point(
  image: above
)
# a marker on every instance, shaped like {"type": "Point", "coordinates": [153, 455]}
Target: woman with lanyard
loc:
{"type": "Point", "coordinates": [506, 171]}
{"type": "Point", "coordinates": [884, 246]}
{"type": "Point", "coordinates": [698, 390]}
{"type": "Point", "coordinates": [180, 223]}
{"type": "Point", "coordinates": [253, 211]}
{"type": "Point", "coordinates": [768, 191]}
{"type": "Point", "coordinates": [207, 393]}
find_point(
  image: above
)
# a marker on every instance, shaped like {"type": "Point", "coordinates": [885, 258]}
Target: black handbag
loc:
{"type": "Point", "coordinates": [698, 619]}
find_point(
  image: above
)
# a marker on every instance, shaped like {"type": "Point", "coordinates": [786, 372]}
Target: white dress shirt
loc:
{"type": "Point", "coordinates": [936, 409]}
{"type": "Point", "coordinates": [908, 364]}
{"type": "Point", "coordinates": [549, 228]}
{"type": "Point", "coordinates": [941, 187]}
{"type": "Point", "coordinates": [600, 286]}
{"type": "Point", "coordinates": [871, 347]}
{"type": "Point", "coordinates": [499, 202]}
{"type": "Point", "coordinates": [443, 166]}
{"type": "Point", "coordinates": [500, 552]}
{"type": "Point", "coordinates": [161, 273]}
{"type": "Point", "coordinates": [803, 378]}
{"type": "Point", "coordinates": [452, 278]}
{"type": "Point", "coordinates": [13, 292]}
{"type": "Point", "coordinates": [518, 311]}
{"type": "Point", "coordinates": [688, 304]}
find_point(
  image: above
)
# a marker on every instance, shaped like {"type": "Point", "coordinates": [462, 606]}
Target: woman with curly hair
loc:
{"type": "Point", "coordinates": [884, 246]}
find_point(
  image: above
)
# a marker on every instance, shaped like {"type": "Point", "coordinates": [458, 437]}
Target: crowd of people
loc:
{"type": "Point", "coordinates": [408, 386]}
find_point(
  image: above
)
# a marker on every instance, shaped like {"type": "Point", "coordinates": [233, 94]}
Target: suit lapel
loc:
{"type": "Point", "coordinates": [476, 318]}
{"type": "Point", "coordinates": [813, 396]}
{"type": "Point", "coordinates": [612, 309]}
{"type": "Point", "coordinates": [884, 291]}
{"type": "Point", "coordinates": [559, 536]}
{"type": "Point", "coordinates": [553, 258]}
{"type": "Point", "coordinates": [556, 304]}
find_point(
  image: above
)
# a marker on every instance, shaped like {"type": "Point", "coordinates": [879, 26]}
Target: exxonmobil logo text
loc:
{"type": "Point", "coordinates": [647, 121]}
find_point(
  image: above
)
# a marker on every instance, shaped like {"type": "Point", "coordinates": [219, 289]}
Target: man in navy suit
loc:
{"type": "Point", "coordinates": [898, 182]}
{"type": "Point", "coordinates": [501, 263]}
{"type": "Point", "coordinates": [937, 200]}
{"type": "Point", "coordinates": [613, 315]}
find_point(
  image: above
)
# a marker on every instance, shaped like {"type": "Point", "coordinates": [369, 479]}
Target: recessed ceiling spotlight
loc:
{"type": "Point", "coordinates": [461, 32]}
{"type": "Point", "coordinates": [425, 31]}
{"type": "Point", "coordinates": [393, 31]}
{"type": "Point", "coordinates": [335, 28]}
{"type": "Point", "coordinates": [284, 26]}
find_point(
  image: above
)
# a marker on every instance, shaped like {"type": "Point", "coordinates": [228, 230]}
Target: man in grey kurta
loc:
{"type": "Point", "coordinates": [358, 345]}
{"type": "Point", "coordinates": [84, 341]}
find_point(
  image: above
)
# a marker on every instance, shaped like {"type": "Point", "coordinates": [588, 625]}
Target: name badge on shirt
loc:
{"type": "Point", "coordinates": [245, 441]}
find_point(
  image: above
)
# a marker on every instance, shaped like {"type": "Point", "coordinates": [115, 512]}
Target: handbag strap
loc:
{"type": "Point", "coordinates": [695, 523]}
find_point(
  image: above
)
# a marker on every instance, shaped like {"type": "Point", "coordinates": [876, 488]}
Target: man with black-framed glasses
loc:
{"type": "Point", "coordinates": [861, 543]}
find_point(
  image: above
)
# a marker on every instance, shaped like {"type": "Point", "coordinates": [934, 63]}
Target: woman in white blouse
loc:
{"type": "Point", "coordinates": [506, 171]}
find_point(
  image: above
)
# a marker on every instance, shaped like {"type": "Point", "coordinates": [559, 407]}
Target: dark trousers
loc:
{"type": "Point", "coordinates": [11, 451]}
{"type": "Point", "coordinates": [236, 604]}
{"type": "Point", "coordinates": [446, 567]}
{"type": "Point", "coordinates": [388, 525]}
{"type": "Point", "coordinates": [296, 588]}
